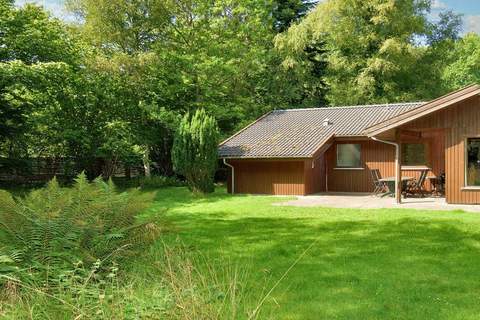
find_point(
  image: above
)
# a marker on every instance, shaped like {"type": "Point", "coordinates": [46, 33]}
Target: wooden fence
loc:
{"type": "Point", "coordinates": [34, 170]}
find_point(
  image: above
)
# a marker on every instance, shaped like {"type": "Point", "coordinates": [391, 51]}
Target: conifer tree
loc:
{"type": "Point", "coordinates": [194, 152]}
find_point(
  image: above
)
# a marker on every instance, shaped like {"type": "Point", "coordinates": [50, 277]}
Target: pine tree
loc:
{"type": "Point", "coordinates": [194, 152]}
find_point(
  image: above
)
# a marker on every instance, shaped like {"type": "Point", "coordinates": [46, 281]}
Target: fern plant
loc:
{"type": "Point", "coordinates": [52, 228]}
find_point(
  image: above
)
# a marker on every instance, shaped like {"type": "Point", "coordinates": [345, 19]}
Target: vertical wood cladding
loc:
{"type": "Point", "coordinates": [280, 177]}
{"type": "Point", "coordinates": [374, 155]}
{"type": "Point", "coordinates": [315, 175]}
{"type": "Point", "coordinates": [381, 156]}
{"type": "Point", "coordinates": [459, 122]}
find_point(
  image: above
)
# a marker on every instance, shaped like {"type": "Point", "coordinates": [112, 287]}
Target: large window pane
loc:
{"type": "Point", "coordinates": [413, 154]}
{"type": "Point", "coordinates": [348, 155]}
{"type": "Point", "coordinates": [473, 162]}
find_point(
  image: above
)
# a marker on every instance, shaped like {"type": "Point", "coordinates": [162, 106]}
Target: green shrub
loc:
{"type": "Point", "coordinates": [155, 182]}
{"type": "Point", "coordinates": [51, 229]}
{"type": "Point", "coordinates": [194, 152]}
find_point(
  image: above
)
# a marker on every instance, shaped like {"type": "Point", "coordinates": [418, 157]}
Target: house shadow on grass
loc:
{"type": "Point", "coordinates": [402, 269]}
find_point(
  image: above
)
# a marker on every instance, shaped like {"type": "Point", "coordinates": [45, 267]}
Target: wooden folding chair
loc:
{"type": "Point", "coordinates": [378, 186]}
{"type": "Point", "coordinates": [418, 186]}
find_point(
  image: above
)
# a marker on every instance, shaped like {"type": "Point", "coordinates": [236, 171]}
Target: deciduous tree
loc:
{"type": "Point", "coordinates": [464, 68]}
{"type": "Point", "coordinates": [374, 49]}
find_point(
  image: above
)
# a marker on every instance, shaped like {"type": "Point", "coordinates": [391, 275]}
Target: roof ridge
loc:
{"type": "Point", "coordinates": [353, 106]}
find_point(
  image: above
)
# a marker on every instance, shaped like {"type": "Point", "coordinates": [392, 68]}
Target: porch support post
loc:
{"type": "Point", "coordinates": [398, 168]}
{"type": "Point", "coordinates": [398, 165]}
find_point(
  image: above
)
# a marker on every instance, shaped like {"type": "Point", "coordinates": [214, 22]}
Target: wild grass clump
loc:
{"type": "Point", "coordinates": [50, 230]}
{"type": "Point", "coordinates": [84, 294]}
{"type": "Point", "coordinates": [79, 293]}
{"type": "Point", "coordinates": [181, 285]}
{"type": "Point", "coordinates": [200, 288]}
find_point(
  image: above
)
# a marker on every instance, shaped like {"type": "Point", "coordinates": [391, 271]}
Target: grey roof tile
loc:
{"type": "Point", "coordinates": [298, 133]}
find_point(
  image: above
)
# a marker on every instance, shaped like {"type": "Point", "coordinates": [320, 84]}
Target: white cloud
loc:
{"type": "Point", "coordinates": [439, 5]}
{"type": "Point", "coordinates": [56, 7]}
{"type": "Point", "coordinates": [472, 23]}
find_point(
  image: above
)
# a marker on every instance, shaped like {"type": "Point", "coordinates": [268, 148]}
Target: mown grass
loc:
{"type": "Point", "coordinates": [362, 264]}
{"type": "Point", "coordinates": [365, 264]}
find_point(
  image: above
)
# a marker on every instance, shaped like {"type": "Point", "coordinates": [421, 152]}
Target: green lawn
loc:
{"type": "Point", "coordinates": [364, 264]}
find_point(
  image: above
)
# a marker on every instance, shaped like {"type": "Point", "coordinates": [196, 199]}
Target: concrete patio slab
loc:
{"type": "Point", "coordinates": [369, 201]}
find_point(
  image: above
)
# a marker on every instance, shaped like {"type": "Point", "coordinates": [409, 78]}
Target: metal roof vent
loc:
{"type": "Point", "coordinates": [327, 122]}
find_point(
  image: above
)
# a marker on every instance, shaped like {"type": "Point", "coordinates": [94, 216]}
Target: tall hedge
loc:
{"type": "Point", "coordinates": [194, 152]}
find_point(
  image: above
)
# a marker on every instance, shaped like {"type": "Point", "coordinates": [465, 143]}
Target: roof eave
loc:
{"type": "Point", "coordinates": [306, 156]}
{"type": "Point", "coordinates": [265, 157]}
{"type": "Point", "coordinates": [426, 109]}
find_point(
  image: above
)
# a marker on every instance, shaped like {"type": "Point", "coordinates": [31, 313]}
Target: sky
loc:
{"type": "Point", "coordinates": [54, 6]}
{"type": "Point", "coordinates": [469, 8]}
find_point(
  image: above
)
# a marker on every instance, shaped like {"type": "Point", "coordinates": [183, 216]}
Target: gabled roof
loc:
{"type": "Point", "coordinates": [427, 108]}
{"type": "Point", "coordinates": [299, 133]}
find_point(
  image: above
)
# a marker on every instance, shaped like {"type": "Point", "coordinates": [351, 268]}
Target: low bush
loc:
{"type": "Point", "coordinates": [155, 182]}
{"type": "Point", "coordinates": [47, 232]}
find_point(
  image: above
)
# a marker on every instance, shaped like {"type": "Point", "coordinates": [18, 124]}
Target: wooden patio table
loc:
{"type": "Point", "coordinates": [390, 182]}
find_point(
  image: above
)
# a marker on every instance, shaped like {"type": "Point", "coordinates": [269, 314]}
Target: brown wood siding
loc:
{"type": "Point", "coordinates": [279, 177]}
{"type": "Point", "coordinates": [458, 122]}
{"type": "Point", "coordinates": [434, 141]}
{"type": "Point", "coordinates": [315, 175]}
{"type": "Point", "coordinates": [308, 178]}
{"type": "Point", "coordinates": [381, 156]}
{"type": "Point", "coordinates": [374, 155]}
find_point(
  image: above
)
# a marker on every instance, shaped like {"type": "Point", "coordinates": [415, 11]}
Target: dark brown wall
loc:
{"type": "Point", "coordinates": [435, 149]}
{"type": "Point", "coordinates": [459, 122]}
{"type": "Point", "coordinates": [280, 177]}
{"type": "Point", "coordinates": [315, 175]}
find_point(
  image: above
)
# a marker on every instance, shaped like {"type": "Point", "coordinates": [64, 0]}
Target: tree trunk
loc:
{"type": "Point", "coordinates": [109, 168]}
{"type": "Point", "coordinates": [146, 162]}
{"type": "Point", "coordinates": [128, 172]}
